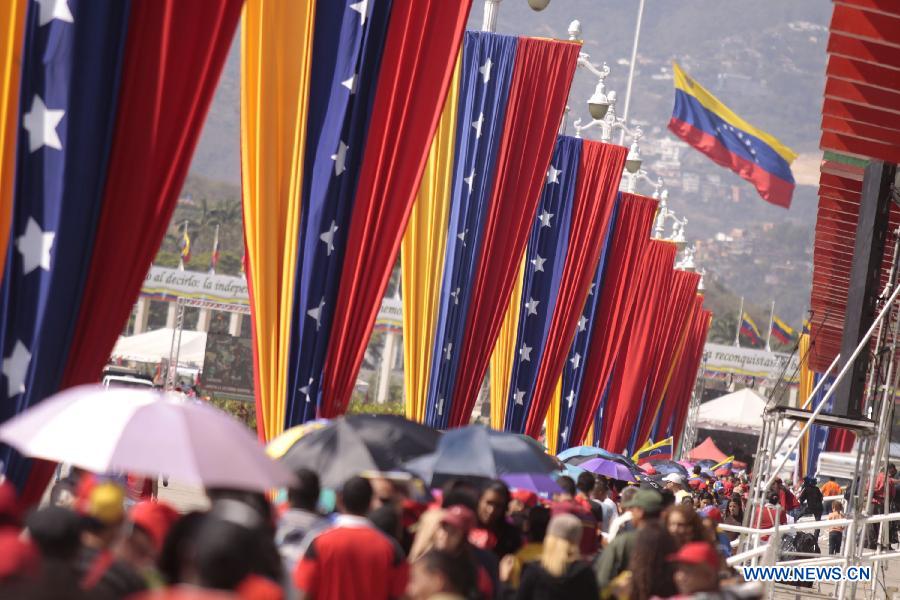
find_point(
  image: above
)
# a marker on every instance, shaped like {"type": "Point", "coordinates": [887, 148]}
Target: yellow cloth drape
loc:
{"type": "Point", "coordinates": [504, 353]}
{"type": "Point", "coordinates": [551, 440]}
{"type": "Point", "coordinates": [807, 382]}
{"type": "Point", "coordinates": [422, 258]}
{"type": "Point", "coordinates": [12, 27]}
{"type": "Point", "coordinates": [276, 52]}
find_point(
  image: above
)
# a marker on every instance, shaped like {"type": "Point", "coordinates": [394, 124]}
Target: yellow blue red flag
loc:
{"type": "Point", "coordinates": [750, 330]}
{"type": "Point", "coordinates": [704, 122]}
{"type": "Point", "coordinates": [783, 332]}
{"type": "Point", "coordinates": [654, 450]}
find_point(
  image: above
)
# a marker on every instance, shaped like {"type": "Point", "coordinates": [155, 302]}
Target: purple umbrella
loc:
{"type": "Point", "coordinates": [534, 482]}
{"type": "Point", "coordinates": [609, 468]}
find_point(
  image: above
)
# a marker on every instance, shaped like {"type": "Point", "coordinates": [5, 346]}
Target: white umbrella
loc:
{"type": "Point", "coordinates": [146, 433]}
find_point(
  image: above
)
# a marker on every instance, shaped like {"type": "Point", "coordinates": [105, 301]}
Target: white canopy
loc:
{"type": "Point", "coordinates": [742, 409]}
{"type": "Point", "coordinates": [153, 346]}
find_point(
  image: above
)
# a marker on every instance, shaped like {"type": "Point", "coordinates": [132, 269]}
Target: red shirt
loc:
{"type": "Point", "coordinates": [351, 561]}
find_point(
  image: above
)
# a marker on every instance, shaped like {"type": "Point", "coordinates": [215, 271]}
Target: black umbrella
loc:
{"type": "Point", "coordinates": [351, 445]}
{"type": "Point", "coordinates": [481, 452]}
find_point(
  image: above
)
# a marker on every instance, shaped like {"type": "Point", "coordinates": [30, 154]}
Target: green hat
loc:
{"type": "Point", "coordinates": [648, 500]}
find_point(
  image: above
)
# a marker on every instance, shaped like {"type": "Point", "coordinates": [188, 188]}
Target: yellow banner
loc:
{"type": "Point", "coordinates": [276, 52]}
{"type": "Point", "coordinates": [12, 26]}
{"type": "Point", "coordinates": [422, 258]}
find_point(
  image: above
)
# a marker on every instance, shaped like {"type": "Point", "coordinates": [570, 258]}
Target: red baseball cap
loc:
{"type": "Point", "coordinates": [156, 518]}
{"type": "Point", "coordinates": [459, 517]}
{"type": "Point", "coordinates": [526, 497]}
{"type": "Point", "coordinates": [712, 512]}
{"type": "Point", "coordinates": [696, 553]}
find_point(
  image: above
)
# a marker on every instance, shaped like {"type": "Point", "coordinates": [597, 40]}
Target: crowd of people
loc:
{"type": "Point", "coordinates": [377, 538]}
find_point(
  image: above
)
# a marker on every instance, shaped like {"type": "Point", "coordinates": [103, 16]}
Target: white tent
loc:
{"type": "Point", "coordinates": [742, 409]}
{"type": "Point", "coordinates": [153, 346]}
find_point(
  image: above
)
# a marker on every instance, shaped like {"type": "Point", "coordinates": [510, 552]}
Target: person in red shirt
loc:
{"type": "Point", "coordinates": [352, 560]}
{"type": "Point", "coordinates": [765, 516]}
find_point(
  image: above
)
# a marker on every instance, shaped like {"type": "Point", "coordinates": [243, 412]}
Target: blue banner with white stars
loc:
{"type": "Point", "coordinates": [573, 373]}
{"type": "Point", "coordinates": [544, 261]}
{"type": "Point", "coordinates": [485, 76]}
{"type": "Point", "coordinates": [71, 64]}
{"type": "Point", "coordinates": [346, 58]}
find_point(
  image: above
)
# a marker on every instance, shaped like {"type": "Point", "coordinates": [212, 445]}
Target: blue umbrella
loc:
{"type": "Point", "coordinates": [665, 467]}
{"type": "Point", "coordinates": [478, 451]}
{"type": "Point", "coordinates": [580, 451]}
{"type": "Point", "coordinates": [608, 468]}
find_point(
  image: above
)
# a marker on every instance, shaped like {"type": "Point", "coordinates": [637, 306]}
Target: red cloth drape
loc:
{"type": "Point", "coordinates": [599, 174]}
{"type": "Point", "coordinates": [839, 440]}
{"type": "Point", "coordinates": [671, 329]}
{"type": "Point", "coordinates": [422, 45]}
{"type": "Point", "coordinates": [537, 98]}
{"type": "Point", "coordinates": [630, 238]}
{"type": "Point", "coordinates": [668, 405]}
{"type": "Point", "coordinates": [174, 55]}
{"type": "Point", "coordinates": [633, 365]}
{"type": "Point", "coordinates": [688, 372]}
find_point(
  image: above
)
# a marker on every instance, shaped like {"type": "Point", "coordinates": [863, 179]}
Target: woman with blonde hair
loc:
{"type": "Point", "coordinates": [561, 572]}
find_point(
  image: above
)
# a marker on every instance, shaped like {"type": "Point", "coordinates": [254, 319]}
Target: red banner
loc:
{"type": "Point", "coordinates": [633, 366]}
{"type": "Point", "coordinates": [537, 98]}
{"type": "Point", "coordinates": [598, 181]}
{"type": "Point", "coordinates": [422, 45]}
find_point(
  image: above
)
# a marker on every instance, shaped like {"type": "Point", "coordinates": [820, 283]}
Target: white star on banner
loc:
{"type": "Point", "coordinates": [470, 181]}
{"type": "Point", "coordinates": [531, 306]}
{"type": "Point", "coordinates": [40, 123]}
{"type": "Point", "coordinates": [462, 236]}
{"type": "Point", "coordinates": [564, 434]}
{"type": "Point", "coordinates": [448, 350]}
{"type": "Point", "coordinates": [575, 360]}
{"type": "Point", "coordinates": [591, 292]}
{"type": "Point", "coordinates": [544, 218]}
{"type": "Point", "coordinates": [553, 175]}
{"type": "Point", "coordinates": [15, 367]}
{"type": "Point", "coordinates": [306, 389]}
{"type": "Point", "coordinates": [440, 406]}
{"type": "Point", "coordinates": [570, 399]}
{"type": "Point", "coordinates": [538, 263]}
{"type": "Point", "coordinates": [455, 295]}
{"type": "Point", "coordinates": [34, 246]}
{"type": "Point", "coordinates": [525, 353]}
{"type": "Point", "coordinates": [340, 158]}
{"type": "Point", "coordinates": [477, 125]}
{"type": "Point", "coordinates": [328, 237]}
{"type": "Point", "coordinates": [362, 7]}
{"type": "Point", "coordinates": [582, 323]}
{"type": "Point", "coordinates": [316, 313]}
{"type": "Point", "coordinates": [520, 397]}
{"type": "Point", "coordinates": [485, 70]}
{"type": "Point", "coordinates": [54, 9]}
{"type": "Point", "coordinates": [350, 83]}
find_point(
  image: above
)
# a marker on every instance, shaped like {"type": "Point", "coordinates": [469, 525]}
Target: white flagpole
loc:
{"type": "Point", "coordinates": [737, 332]}
{"type": "Point", "coordinates": [771, 322]}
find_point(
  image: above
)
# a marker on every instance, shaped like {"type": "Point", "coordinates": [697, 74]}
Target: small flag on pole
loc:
{"type": "Point", "coordinates": [185, 246]}
{"type": "Point", "coordinates": [654, 450]}
{"type": "Point", "coordinates": [750, 330]}
{"type": "Point", "coordinates": [783, 332]}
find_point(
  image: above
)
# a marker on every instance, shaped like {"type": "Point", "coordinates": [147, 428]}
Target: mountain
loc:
{"type": "Point", "coordinates": [765, 60]}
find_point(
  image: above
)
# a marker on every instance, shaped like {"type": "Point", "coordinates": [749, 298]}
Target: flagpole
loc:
{"type": "Point", "coordinates": [634, 49]}
{"type": "Point", "coordinates": [737, 332]}
{"type": "Point", "coordinates": [771, 322]}
{"type": "Point", "coordinates": [180, 249]}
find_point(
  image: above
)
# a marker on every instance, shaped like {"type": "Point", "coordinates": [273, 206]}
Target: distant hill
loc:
{"type": "Point", "coordinates": [765, 59]}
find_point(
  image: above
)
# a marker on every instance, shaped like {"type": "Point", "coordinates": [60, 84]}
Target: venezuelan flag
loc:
{"type": "Point", "coordinates": [654, 450]}
{"type": "Point", "coordinates": [783, 332]}
{"type": "Point", "coordinates": [185, 246]}
{"type": "Point", "coordinates": [750, 330]}
{"type": "Point", "coordinates": [701, 120]}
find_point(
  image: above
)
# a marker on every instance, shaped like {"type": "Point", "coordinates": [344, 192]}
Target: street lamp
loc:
{"type": "Point", "coordinates": [492, 7]}
{"type": "Point", "coordinates": [538, 5]}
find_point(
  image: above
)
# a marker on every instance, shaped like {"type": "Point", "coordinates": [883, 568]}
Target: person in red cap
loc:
{"type": "Point", "coordinates": [696, 569]}
{"type": "Point", "coordinates": [143, 541]}
{"type": "Point", "coordinates": [452, 537]}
